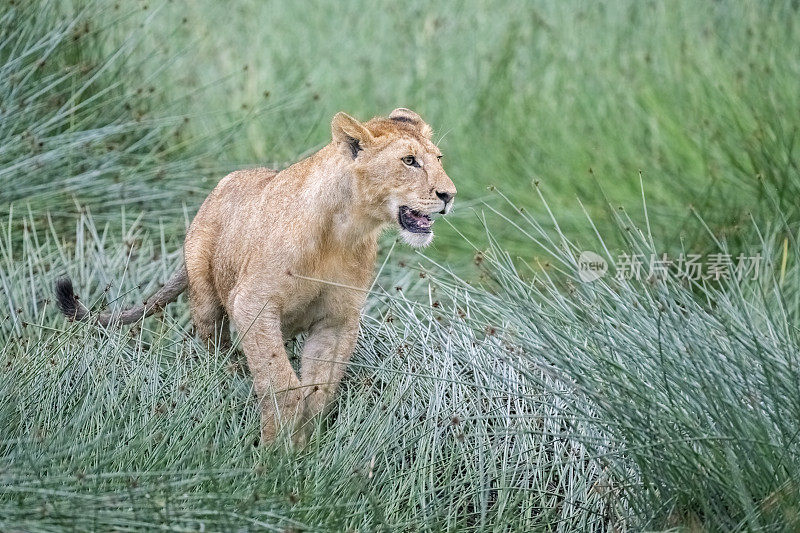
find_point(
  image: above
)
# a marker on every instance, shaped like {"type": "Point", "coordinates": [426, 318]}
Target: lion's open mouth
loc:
{"type": "Point", "coordinates": [414, 221]}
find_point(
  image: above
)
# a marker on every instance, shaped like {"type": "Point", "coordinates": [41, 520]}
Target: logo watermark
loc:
{"type": "Point", "coordinates": [591, 266]}
{"type": "Point", "coordinates": [691, 267]}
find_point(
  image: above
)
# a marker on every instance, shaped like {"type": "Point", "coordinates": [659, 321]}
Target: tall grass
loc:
{"type": "Point", "coordinates": [533, 402]}
{"type": "Point", "coordinates": [576, 96]}
{"type": "Point", "coordinates": [695, 382]}
{"type": "Point", "coordinates": [145, 429]}
{"type": "Point", "coordinates": [85, 122]}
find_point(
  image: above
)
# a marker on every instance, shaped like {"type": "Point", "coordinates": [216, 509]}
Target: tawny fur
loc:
{"type": "Point", "coordinates": [280, 253]}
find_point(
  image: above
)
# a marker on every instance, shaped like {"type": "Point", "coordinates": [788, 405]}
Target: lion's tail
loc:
{"type": "Point", "coordinates": [73, 310]}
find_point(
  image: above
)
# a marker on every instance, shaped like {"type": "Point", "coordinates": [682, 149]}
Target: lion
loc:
{"type": "Point", "coordinates": [281, 253]}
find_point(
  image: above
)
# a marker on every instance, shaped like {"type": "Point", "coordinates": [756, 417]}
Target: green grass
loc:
{"type": "Point", "coordinates": [530, 402]}
{"type": "Point", "coordinates": [694, 381]}
{"type": "Point", "coordinates": [491, 389]}
{"type": "Point", "coordinates": [144, 428]}
{"type": "Point", "coordinates": [698, 97]}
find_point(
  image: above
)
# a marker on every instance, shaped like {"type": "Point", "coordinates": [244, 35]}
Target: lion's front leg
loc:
{"type": "Point", "coordinates": [325, 356]}
{"type": "Point", "coordinates": [279, 392]}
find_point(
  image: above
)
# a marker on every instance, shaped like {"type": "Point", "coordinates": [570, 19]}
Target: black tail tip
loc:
{"type": "Point", "coordinates": [65, 297]}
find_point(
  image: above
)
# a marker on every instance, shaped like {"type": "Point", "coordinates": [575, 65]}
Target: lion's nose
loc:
{"type": "Point", "coordinates": [444, 196]}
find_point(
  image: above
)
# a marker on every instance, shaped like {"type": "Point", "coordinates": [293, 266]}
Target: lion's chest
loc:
{"type": "Point", "coordinates": [323, 296]}
{"type": "Point", "coordinates": [304, 310]}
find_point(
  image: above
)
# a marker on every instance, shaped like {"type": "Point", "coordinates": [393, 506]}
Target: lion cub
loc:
{"type": "Point", "coordinates": [280, 253]}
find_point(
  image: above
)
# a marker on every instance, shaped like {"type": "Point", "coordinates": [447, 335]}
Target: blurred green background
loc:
{"type": "Point", "coordinates": [697, 97]}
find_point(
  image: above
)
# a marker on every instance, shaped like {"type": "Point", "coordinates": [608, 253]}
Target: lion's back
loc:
{"type": "Point", "coordinates": [227, 209]}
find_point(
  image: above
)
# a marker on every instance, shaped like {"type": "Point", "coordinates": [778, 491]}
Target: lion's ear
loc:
{"type": "Point", "coordinates": [350, 133]}
{"type": "Point", "coordinates": [402, 114]}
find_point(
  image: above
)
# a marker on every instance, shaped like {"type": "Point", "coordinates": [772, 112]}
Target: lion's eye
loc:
{"type": "Point", "coordinates": [410, 160]}
{"type": "Point", "coordinates": [439, 157]}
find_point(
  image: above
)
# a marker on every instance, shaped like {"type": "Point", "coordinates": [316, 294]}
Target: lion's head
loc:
{"type": "Point", "coordinates": [399, 178]}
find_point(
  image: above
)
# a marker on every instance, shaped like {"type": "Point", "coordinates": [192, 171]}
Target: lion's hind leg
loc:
{"type": "Point", "coordinates": [208, 315]}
